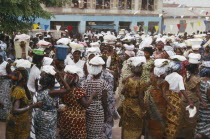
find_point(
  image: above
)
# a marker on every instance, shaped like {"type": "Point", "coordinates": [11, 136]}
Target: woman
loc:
{"type": "Point", "coordinates": [132, 109]}
{"type": "Point", "coordinates": [175, 87]}
{"type": "Point", "coordinates": [96, 112]}
{"type": "Point", "coordinates": [72, 120]}
{"type": "Point", "coordinates": [112, 63]}
{"type": "Point", "coordinates": [125, 72]}
{"type": "Point", "coordinates": [203, 126]}
{"type": "Point", "coordinates": [192, 84]}
{"type": "Point", "coordinates": [18, 121]}
{"type": "Point", "coordinates": [34, 73]}
{"type": "Point", "coordinates": [5, 84]}
{"type": "Point", "coordinates": [155, 102]}
{"type": "Point", "coordinates": [160, 53]}
{"type": "Point", "coordinates": [45, 119]}
{"type": "Point", "coordinates": [149, 65]}
{"type": "Point", "coordinates": [109, 119]}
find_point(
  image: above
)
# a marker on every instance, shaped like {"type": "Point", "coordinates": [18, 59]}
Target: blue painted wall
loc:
{"type": "Point", "coordinates": [116, 19]}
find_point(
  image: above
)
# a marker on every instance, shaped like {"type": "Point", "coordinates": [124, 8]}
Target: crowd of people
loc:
{"type": "Point", "coordinates": [158, 86]}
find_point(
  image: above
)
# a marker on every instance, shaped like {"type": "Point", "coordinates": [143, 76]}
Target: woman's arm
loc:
{"type": "Point", "coordinates": [59, 93]}
{"type": "Point", "coordinates": [17, 110]}
{"type": "Point", "coordinates": [188, 99]}
{"type": "Point", "coordinates": [63, 81]}
{"type": "Point", "coordinates": [85, 102]}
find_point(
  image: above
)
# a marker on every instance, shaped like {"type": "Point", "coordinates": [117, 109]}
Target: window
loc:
{"type": "Point", "coordinates": [102, 4]}
{"type": "Point", "coordinates": [64, 25]}
{"type": "Point", "coordinates": [124, 25]}
{"type": "Point", "coordinates": [151, 27]}
{"type": "Point", "coordinates": [141, 26]}
{"type": "Point", "coordinates": [125, 4]}
{"type": "Point", "coordinates": [147, 5]}
{"type": "Point", "coordinates": [208, 26]}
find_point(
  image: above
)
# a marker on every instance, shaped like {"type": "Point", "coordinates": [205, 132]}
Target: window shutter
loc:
{"type": "Point", "coordinates": [155, 5]}
{"type": "Point", "coordinates": [81, 3]}
{"type": "Point", "coordinates": [133, 4]}
{"type": "Point", "coordinates": [94, 4]}
{"type": "Point", "coordinates": [89, 4]}
{"type": "Point", "coordinates": [112, 4]}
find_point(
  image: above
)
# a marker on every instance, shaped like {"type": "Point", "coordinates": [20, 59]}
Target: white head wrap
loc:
{"type": "Point", "coordinates": [135, 61]}
{"type": "Point", "coordinates": [194, 58]}
{"type": "Point", "coordinates": [22, 63]}
{"type": "Point", "coordinates": [73, 69]}
{"type": "Point", "coordinates": [48, 69]}
{"type": "Point", "coordinates": [96, 65]}
{"type": "Point", "coordinates": [47, 61]}
{"type": "Point", "coordinates": [161, 66]}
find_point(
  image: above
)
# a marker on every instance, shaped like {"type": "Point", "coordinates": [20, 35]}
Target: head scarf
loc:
{"type": "Point", "coordinates": [130, 53]}
{"type": "Point", "coordinates": [161, 66]}
{"type": "Point", "coordinates": [205, 72]}
{"type": "Point", "coordinates": [174, 66]}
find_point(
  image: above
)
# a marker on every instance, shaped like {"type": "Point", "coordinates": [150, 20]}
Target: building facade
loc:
{"type": "Point", "coordinates": [83, 15]}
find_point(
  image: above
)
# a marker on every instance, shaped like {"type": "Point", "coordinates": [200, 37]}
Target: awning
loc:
{"type": "Point", "coordinates": [102, 26]}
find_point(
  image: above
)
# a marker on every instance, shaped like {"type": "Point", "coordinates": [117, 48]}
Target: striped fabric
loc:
{"type": "Point", "coordinates": [203, 125]}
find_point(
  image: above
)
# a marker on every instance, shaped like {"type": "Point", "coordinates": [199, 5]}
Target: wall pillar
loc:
{"type": "Point", "coordinates": [116, 26]}
{"type": "Point", "coordinates": [82, 26]}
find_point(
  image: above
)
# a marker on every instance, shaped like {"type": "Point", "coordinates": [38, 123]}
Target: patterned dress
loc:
{"type": "Point", "coordinates": [147, 70]}
{"type": "Point", "coordinates": [187, 125]}
{"type": "Point", "coordinates": [126, 71]}
{"type": "Point", "coordinates": [5, 88]}
{"type": "Point", "coordinates": [203, 125]}
{"type": "Point", "coordinates": [156, 109]}
{"type": "Point", "coordinates": [72, 121]}
{"type": "Point", "coordinates": [95, 112]}
{"type": "Point", "coordinates": [108, 77]}
{"type": "Point", "coordinates": [130, 110]}
{"type": "Point", "coordinates": [45, 119]}
{"type": "Point", "coordinates": [18, 126]}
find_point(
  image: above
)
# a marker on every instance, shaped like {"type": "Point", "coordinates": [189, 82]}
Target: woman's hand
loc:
{"type": "Point", "coordinates": [37, 105]}
{"type": "Point", "coordinates": [205, 105]}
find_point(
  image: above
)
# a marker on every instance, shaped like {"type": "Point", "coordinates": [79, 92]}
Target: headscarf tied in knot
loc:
{"type": "Point", "coordinates": [174, 67]}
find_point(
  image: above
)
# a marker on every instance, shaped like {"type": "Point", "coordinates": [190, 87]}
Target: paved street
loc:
{"type": "Point", "coordinates": [116, 130]}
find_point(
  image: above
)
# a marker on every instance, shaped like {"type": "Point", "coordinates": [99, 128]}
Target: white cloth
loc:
{"type": "Point", "coordinates": [97, 61]}
{"type": "Point", "coordinates": [73, 69]}
{"type": "Point", "coordinates": [178, 57]}
{"type": "Point", "coordinates": [108, 62]}
{"type": "Point", "coordinates": [48, 69]}
{"type": "Point", "coordinates": [160, 62]}
{"type": "Point", "coordinates": [194, 58]}
{"type": "Point", "coordinates": [135, 61]}
{"type": "Point", "coordinates": [47, 61]}
{"type": "Point", "coordinates": [79, 64]}
{"type": "Point", "coordinates": [3, 70]}
{"type": "Point", "coordinates": [175, 81]}
{"type": "Point", "coordinates": [158, 71]}
{"type": "Point", "coordinates": [68, 59]}
{"type": "Point", "coordinates": [34, 74]}
{"type": "Point", "coordinates": [23, 63]}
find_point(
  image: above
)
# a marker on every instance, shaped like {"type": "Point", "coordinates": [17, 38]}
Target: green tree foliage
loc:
{"type": "Point", "coordinates": [19, 15]}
